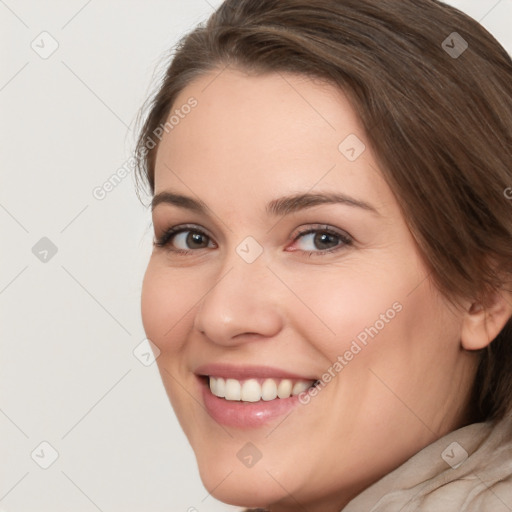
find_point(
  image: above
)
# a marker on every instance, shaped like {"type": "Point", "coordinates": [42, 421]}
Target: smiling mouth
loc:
{"type": "Point", "coordinates": [257, 389]}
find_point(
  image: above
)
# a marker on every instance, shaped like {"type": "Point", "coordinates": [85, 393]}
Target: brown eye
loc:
{"type": "Point", "coordinates": [194, 240]}
{"type": "Point", "coordinates": [184, 239]}
{"type": "Point", "coordinates": [321, 241]}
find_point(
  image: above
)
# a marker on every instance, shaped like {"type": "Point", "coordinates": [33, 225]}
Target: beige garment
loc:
{"type": "Point", "coordinates": [427, 482]}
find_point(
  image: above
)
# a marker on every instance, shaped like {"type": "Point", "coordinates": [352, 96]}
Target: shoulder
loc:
{"type": "Point", "coordinates": [469, 469]}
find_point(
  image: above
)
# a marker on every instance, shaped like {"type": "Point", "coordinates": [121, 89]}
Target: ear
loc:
{"type": "Point", "coordinates": [481, 325]}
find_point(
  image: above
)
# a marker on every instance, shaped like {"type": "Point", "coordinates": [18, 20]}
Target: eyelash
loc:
{"type": "Point", "coordinates": [167, 235]}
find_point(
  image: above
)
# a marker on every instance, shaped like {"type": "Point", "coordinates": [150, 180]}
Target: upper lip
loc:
{"type": "Point", "coordinates": [247, 371]}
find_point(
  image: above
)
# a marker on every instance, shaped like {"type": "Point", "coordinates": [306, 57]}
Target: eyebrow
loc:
{"type": "Point", "coordinates": [276, 207]}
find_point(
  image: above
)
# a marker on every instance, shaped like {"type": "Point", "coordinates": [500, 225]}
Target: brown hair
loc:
{"type": "Point", "coordinates": [440, 124]}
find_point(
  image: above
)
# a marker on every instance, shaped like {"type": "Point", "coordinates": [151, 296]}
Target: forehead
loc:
{"type": "Point", "coordinates": [254, 133]}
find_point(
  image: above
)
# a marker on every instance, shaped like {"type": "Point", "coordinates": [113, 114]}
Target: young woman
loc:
{"type": "Point", "coordinates": [330, 285]}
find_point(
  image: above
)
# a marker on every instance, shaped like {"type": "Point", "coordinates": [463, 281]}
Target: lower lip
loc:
{"type": "Point", "coordinates": [237, 414]}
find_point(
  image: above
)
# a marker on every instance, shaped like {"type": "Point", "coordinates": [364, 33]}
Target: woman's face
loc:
{"type": "Point", "coordinates": [277, 291]}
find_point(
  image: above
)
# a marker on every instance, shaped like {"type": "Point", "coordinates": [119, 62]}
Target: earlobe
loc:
{"type": "Point", "coordinates": [481, 324]}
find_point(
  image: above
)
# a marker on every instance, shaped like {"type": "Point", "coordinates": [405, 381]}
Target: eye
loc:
{"type": "Point", "coordinates": [312, 241]}
{"type": "Point", "coordinates": [183, 239]}
{"type": "Point", "coordinates": [321, 240]}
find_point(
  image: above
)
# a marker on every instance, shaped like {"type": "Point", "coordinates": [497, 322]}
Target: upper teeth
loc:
{"type": "Point", "coordinates": [252, 390]}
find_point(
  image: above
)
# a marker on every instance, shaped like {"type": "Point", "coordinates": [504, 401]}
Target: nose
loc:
{"type": "Point", "coordinates": [242, 304]}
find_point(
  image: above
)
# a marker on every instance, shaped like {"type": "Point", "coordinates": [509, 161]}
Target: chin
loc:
{"type": "Point", "coordinates": [227, 479]}
{"type": "Point", "coordinates": [240, 487]}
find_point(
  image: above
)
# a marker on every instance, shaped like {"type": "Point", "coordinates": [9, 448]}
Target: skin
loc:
{"type": "Point", "coordinates": [252, 139]}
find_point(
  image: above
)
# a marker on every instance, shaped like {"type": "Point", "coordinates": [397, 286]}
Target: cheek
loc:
{"type": "Point", "coordinates": [344, 305]}
{"type": "Point", "coordinates": [152, 301]}
{"type": "Point", "coordinates": [165, 301]}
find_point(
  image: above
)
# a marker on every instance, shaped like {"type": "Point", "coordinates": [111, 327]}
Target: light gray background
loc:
{"type": "Point", "coordinates": [69, 325]}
